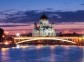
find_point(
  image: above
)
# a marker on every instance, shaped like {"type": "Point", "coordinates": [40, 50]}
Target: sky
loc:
{"type": "Point", "coordinates": [64, 27]}
{"type": "Point", "coordinates": [23, 5]}
{"type": "Point", "coordinates": [42, 4]}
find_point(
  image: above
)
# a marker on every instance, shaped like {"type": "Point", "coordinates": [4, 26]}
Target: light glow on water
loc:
{"type": "Point", "coordinates": [39, 46]}
{"type": "Point", "coordinates": [83, 55]}
{"type": "Point", "coordinates": [17, 46]}
{"type": "Point", "coordinates": [4, 49]}
{"type": "Point", "coordinates": [41, 53]}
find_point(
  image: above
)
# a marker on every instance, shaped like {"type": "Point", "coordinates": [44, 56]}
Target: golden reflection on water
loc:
{"type": "Point", "coordinates": [53, 46]}
{"type": "Point", "coordinates": [39, 46]}
{"type": "Point", "coordinates": [5, 51]}
{"type": "Point", "coordinates": [83, 53]}
{"type": "Point", "coordinates": [52, 56]}
{"type": "Point", "coordinates": [4, 54]}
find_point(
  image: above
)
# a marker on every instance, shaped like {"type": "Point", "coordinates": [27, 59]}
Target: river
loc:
{"type": "Point", "coordinates": [42, 53]}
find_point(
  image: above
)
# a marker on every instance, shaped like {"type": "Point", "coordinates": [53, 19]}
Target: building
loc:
{"type": "Point", "coordinates": [44, 28]}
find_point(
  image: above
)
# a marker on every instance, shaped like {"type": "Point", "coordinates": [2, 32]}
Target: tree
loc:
{"type": "Point", "coordinates": [1, 33]}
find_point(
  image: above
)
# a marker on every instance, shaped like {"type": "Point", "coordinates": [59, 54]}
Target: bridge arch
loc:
{"type": "Point", "coordinates": [45, 38]}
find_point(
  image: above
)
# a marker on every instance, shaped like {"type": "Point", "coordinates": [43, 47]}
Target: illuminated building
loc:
{"type": "Point", "coordinates": [44, 28]}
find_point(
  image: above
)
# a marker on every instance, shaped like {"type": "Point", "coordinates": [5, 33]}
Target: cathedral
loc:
{"type": "Point", "coordinates": [45, 29]}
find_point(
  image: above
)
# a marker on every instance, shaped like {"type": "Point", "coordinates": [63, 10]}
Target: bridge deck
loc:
{"type": "Point", "coordinates": [27, 39]}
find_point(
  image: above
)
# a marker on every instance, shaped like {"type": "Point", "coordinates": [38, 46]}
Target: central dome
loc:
{"type": "Point", "coordinates": [43, 17]}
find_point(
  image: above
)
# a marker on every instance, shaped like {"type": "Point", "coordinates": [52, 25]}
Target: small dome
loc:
{"type": "Point", "coordinates": [43, 17]}
{"type": "Point", "coordinates": [35, 23]}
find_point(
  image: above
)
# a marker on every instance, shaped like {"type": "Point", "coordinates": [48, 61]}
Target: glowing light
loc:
{"type": "Point", "coordinates": [17, 34]}
{"type": "Point", "coordinates": [4, 51]}
{"type": "Point", "coordinates": [52, 47]}
{"type": "Point", "coordinates": [80, 38]}
{"type": "Point", "coordinates": [17, 46]}
{"type": "Point", "coordinates": [6, 43]}
{"type": "Point", "coordinates": [6, 32]}
{"type": "Point", "coordinates": [24, 46]}
{"type": "Point", "coordinates": [39, 46]}
{"type": "Point", "coordinates": [66, 31]}
{"type": "Point", "coordinates": [83, 36]}
{"type": "Point", "coordinates": [3, 36]}
{"type": "Point", "coordinates": [45, 38]}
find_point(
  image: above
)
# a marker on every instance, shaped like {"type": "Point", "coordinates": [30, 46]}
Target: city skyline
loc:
{"type": "Point", "coordinates": [41, 30]}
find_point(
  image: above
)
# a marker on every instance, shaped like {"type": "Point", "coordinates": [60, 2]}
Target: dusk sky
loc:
{"type": "Point", "coordinates": [24, 5]}
{"type": "Point", "coordinates": [42, 4]}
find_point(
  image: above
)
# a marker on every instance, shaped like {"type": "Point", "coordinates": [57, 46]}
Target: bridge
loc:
{"type": "Point", "coordinates": [72, 40]}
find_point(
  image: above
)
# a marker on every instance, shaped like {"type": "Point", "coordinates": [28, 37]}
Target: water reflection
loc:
{"type": "Point", "coordinates": [4, 56]}
{"type": "Point", "coordinates": [42, 54]}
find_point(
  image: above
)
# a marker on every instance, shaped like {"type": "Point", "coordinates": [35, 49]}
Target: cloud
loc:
{"type": "Point", "coordinates": [70, 25]}
{"type": "Point", "coordinates": [63, 25]}
{"type": "Point", "coordinates": [27, 27]}
{"type": "Point", "coordinates": [56, 15]}
{"type": "Point", "coordinates": [49, 9]}
{"type": "Point", "coordinates": [82, 4]}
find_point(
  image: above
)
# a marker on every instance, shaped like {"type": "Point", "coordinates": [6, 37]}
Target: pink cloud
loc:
{"type": "Point", "coordinates": [27, 27]}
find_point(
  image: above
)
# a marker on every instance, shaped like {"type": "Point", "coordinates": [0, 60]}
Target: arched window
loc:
{"type": "Point", "coordinates": [41, 23]}
{"type": "Point", "coordinates": [44, 24]}
{"type": "Point", "coordinates": [49, 29]}
{"type": "Point", "coordinates": [48, 34]}
{"type": "Point", "coordinates": [45, 33]}
{"type": "Point", "coordinates": [52, 34]}
{"type": "Point", "coordinates": [40, 33]}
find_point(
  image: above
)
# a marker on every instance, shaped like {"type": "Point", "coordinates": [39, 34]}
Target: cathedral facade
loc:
{"type": "Point", "coordinates": [44, 29]}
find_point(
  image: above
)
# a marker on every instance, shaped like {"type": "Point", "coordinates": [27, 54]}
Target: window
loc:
{"type": "Point", "coordinates": [48, 34]}
{"type": "Point", "coordinates": [45, 33]}
{"type": "Point", "coordinates": [49, 29]}
{"type": "Point", "coordinates": [41, 23]}
{"type": "Point", "coordinates": [44, 24]}
{"type": "Point", "coordinates": [52, 34]}
{"type": "Point", "coordinates": [40, 33]}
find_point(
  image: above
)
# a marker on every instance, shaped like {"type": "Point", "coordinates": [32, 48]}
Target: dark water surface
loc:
{"type": "Point", "coordinates": [42, 54]}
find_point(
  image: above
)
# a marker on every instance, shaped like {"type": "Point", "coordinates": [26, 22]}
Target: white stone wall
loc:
{"type": "Point", "coordinates": [44, 22]}
{"type": "Point", "coordinates": [46, 32]}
